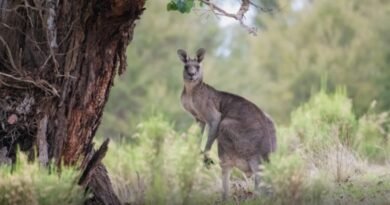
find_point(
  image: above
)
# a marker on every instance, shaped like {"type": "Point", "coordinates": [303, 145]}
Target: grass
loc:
{"type": "Point", "coordinates": [28, 183]}
{"type": "Point", "coordinates": [328, 155]}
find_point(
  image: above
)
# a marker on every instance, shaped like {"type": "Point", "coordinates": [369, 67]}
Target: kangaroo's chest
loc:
{"type": "Point", "coordinates": [193, 105]}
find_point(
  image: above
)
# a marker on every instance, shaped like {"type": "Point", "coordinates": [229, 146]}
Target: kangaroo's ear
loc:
{"type": "Point", "coordinates": [200, 54]}
{"type": "Point", "coordinates": [182, 55]}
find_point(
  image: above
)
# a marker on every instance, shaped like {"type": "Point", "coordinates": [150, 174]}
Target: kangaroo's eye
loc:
{"type": "Point", "coordinates": [186, 67]}
{"type": "Point", "coordinates": [197, 67]}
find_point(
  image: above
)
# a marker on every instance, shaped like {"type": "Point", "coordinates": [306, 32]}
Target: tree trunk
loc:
{"type": "Point", "coordinates": [58, 60]}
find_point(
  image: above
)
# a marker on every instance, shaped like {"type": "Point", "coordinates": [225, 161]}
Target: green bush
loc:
{"type": "Point", "coordinates": [372, 138]}
{"type": "Point", "coordinates": [326, 119]}
{"type": "Point", "coordinates": [31, 184]}
{"type": "Point", "coordinates": [162, 167]}
{"type": "Point", "coordinates": [285, 174]}
{"type": "Point", "coordinates": [326, 127]}
{"type": "Point", "coordinates": [319, 157]}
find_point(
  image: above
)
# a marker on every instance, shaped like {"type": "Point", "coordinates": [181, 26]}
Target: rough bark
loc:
{"type": "Point", "coordinates": [58, 60]}
{"type": "Point", "coordinates": [95, 177]}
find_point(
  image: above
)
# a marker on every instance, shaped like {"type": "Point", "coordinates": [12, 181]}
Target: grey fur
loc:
{"type": "Point", "coordinates": [244, 133]}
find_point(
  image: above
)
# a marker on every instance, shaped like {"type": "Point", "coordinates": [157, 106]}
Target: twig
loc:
{"type": "Point", "coordinates": [262, 8]}
{"type": "Point", "coordinates": [11, 59]}
{"type": "Point", "coordinates": [239, 15]}
{"type": "Point", "coordinates": [70, 30]}
{"type": "Point", "coordinates": [2, 83]}
{"type": "Point", "coordinates": [15, 8]}
{"type": "Point", "coordinates": [42, 84]}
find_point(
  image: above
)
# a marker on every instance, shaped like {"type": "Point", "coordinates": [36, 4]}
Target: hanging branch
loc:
{"type": "Point", "coordinates": [239, 15]}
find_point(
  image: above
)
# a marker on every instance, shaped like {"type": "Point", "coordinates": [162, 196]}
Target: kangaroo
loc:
{"type": "Point", "coordinates": [244, 133]}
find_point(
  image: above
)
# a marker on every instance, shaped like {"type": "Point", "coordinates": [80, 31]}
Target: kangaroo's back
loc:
{"type": "Point", "coordinates": [248, 129]}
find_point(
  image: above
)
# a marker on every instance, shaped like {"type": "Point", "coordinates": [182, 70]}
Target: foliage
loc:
{"type": "Point", "coordinates": [372, 140]}
{"type": "Point", "coordinates": [163, 167]}
{"type": "Point", "coordinates": [323, 116]}
{"type": "Point", "coordinates": [321, 159]}
{"type": "Point", "coordinates": [32, 184]}
{"type": "Point", "coordinates": [286, 177]}
{"type": "Point", "coordinates": [183, 6]}
{"type": "Point", "coordinates": [153, 78]}
{"type": "Point", "coordinates": [341, 40]}
{"type": "Point", "coordinates": [330, 148]}
{"type": "Point", "coordinates": [314, 156]}
{"type": "Point", "coordinates": [278, 70]}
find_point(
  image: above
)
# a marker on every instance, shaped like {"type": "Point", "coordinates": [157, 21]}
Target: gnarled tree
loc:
{"type": "Point", "coordinates": [58, 60]}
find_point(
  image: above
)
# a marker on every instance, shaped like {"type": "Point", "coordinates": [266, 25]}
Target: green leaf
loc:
{"type": "Point", "coordinates": [171, 6]}
{"type": "Point", "coordinates": [189, 5]}
{"type": "Point", "coordinates": [183, 6]}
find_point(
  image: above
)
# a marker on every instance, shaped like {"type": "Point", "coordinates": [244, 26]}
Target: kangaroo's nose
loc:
{"type": "Point", "coordinates": [191, 73]}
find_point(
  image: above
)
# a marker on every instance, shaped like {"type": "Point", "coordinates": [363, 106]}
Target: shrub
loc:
{"type": "Point", "coordinates": [30, 184]}
{"type": "Point", "coordinates": [318, 160]}
{"type": "Point", "coordinates": [372, 138]}
{"type": "Point", "coordinates": [286, 175]}
{"type": "Point", "coordinates": [163, 167]}
{"type": "Point", "coordinates": [324, 120]}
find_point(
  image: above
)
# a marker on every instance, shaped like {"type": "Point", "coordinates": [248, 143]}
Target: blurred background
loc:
{"type": "Point", "coordinates": [301, 46]}
{"type": "Point", "coordinates": [320, 68]}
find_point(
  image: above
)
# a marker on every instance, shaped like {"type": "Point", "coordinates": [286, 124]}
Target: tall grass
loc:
{"type": "Point", "coordinates": [28, 183]}
{"type": "Point", "coordinates": [161, 167]}
{"type": "Point", "coordinates": [326, 156]}
{"type": "Point", "coordinates": [322, 157]}
{"type": "Point", "coordinates": [372, 139]}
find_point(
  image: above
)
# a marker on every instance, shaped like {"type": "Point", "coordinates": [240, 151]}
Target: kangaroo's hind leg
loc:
{"type": "Point", "coordinates": [226, 170]}
{"type": "Point", "coordinates": [254, 165]}
{"type": "Point", "coordinates": [225, 151]}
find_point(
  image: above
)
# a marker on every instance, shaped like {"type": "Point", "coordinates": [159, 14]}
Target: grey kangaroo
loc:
{"type": "Point", "coordinates": [244, 133]}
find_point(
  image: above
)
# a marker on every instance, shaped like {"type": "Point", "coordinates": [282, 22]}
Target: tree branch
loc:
{"type": "Point", "coordinates": [239, 15]}
{"type": "Point", "coordinates": [42, 84]}
{"type": "Point", "coordinates": [9, 53]}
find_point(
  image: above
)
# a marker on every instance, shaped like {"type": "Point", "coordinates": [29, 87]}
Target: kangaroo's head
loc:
{"type": "Point", "coordinates": [192, 69]}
